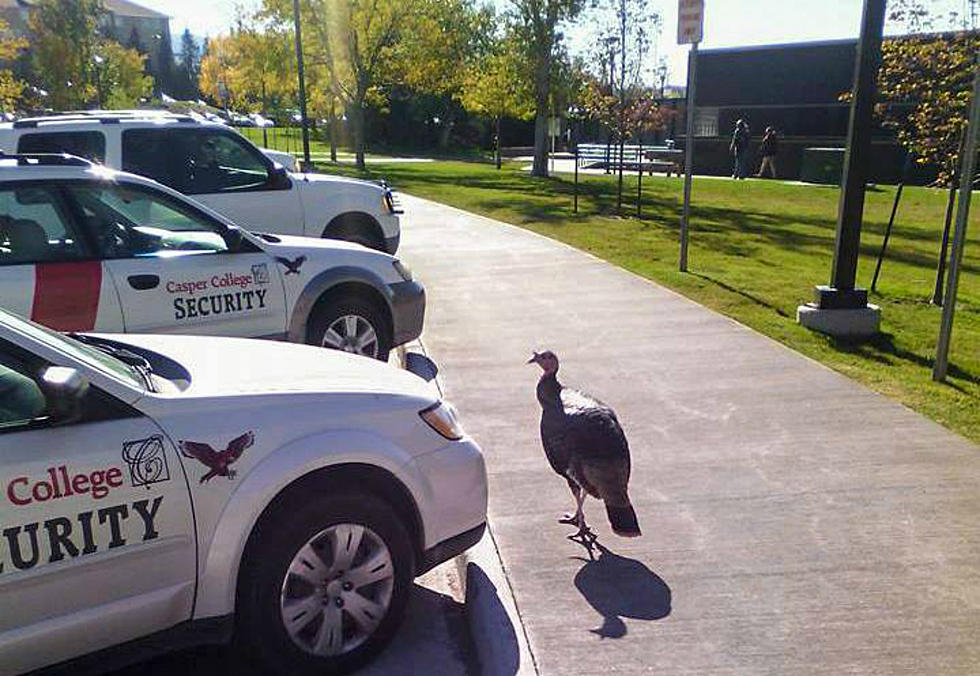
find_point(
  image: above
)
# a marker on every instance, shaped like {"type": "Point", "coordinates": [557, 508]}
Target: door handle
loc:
{"type": "Point", "coordinates": [144, 282]}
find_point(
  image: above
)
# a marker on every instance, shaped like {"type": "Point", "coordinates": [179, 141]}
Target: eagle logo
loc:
{"type": "Point", "coordinates": [218, 462]}
{"type": "Point", "coordinates": [292, 266]}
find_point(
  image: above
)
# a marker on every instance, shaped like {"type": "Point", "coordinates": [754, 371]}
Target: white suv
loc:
{"type": "Point", "coordinates": [221, 169]}
{"type": "Point", "coordinates": [86, 248]}
{"type": "Point", "coordinates": [160, 490]}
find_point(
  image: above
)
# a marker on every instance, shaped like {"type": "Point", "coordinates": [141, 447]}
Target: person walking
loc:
{"type": "Point", "coordinates": [768, 150]}
{"type": "Point", "coordinates": [739, 149]}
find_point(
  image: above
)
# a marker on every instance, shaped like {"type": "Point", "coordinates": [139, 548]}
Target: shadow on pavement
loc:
{"type": "Point", "coordinates": [490, 626]}
{"type": "Point", "coordinates": [421, 646]}
{"type": "Point", "coordinates": [618, 587]}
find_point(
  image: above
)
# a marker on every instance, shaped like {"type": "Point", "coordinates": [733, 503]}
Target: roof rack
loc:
{"type": "Point", "coordinates": [103, 117]}
{"type": "Point", "coordinates": [45, 159]}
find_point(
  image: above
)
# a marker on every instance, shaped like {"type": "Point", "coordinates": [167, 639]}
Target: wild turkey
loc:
{"type": "Point", "coordinates": [585, 444]}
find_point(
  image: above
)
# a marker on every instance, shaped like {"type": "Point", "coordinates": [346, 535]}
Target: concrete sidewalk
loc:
{"type": "Point", "coordinates": [794, 522]}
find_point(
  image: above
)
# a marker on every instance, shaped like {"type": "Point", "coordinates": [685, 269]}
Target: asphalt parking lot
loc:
{"type": "Point", "coordinates": [431, 641]}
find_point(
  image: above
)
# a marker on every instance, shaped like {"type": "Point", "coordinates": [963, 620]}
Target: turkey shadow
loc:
{"type": "Point", "coordinates": [617, 587]}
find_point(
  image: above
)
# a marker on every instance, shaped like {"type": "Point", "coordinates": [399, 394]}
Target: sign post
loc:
{"type": "Point", "coordinates": [968, 165]}
{"type": "Point", "coordinates": [690, 30]}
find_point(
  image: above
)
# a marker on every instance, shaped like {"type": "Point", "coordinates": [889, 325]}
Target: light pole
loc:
{"type": "Point", "coordinates": [302, 88]}
{"type": "Point", "coordinates": [841, 309]}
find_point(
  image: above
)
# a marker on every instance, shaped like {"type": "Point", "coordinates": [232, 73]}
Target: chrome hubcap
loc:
{"type": "Point", "coordinates": [352, 333]}
{"type": "Point", "coordinates": [337, 590]}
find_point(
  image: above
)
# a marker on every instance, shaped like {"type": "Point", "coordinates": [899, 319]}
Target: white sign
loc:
{"type": "Point", "coordinates": [690, 21]}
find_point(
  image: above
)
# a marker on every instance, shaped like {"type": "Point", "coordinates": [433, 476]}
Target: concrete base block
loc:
{"type": "Point", "coordinates": [856, 323]}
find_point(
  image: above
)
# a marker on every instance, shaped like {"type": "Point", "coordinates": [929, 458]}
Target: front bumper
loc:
{"type": "Point", "coordinates": [407, 311]}
{"type": "Point", "coordinates": [450, 548]}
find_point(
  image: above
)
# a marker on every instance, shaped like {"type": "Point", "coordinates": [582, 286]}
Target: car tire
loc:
{"type": "Point", "coordinates": [289, 626]}
{"type": "Point", "coordinates": [350, 323]}
{"type": "Point", "coordinates": [358, 228]}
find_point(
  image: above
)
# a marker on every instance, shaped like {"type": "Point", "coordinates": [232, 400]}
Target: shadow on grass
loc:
{"type": "Point", "coordinates": [883, 345]}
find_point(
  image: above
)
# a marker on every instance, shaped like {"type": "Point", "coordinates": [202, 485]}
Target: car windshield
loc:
{"type": "Point", "coordinates": [89, 354]}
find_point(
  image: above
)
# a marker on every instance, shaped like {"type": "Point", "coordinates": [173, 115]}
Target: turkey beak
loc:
{"type": "Point", "coordinates": [534, 359]}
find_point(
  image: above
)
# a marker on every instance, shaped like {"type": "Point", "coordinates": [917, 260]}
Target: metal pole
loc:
{"type": "Point", "coordinates": [851, 208]}
{"type": "Point", "coordinates": [888, 234]}
{"type": "Point", "coordinates": [968, 165]}
{"type": "Point", "coordinates": [688, 152]}
{"type": "Point", "coordinates": [302, 87]}
{"type": "Point", "coordinates": [937, 292]}
{"type": "Point", "coordinates": [575, 203]}
{"type": "Point", "coordinates": [639, 177]}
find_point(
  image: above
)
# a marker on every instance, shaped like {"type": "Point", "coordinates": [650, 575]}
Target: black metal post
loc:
{"type": "Point", "coordinates": [842, 293]}
{"type": "Point", "coordinates": [938, 291]}
{"type": "Point", "coordinates": [575, 135]}
{"type": "Point", "coordinates": [302, 87]}
{"type": "Point", "coordinates": [906, 173]}
{"type": "Point", "coordinates": [639, 177]}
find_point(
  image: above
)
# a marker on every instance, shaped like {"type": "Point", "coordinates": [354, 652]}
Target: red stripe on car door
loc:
{"type": "Point", "coordinates": [66, 295]}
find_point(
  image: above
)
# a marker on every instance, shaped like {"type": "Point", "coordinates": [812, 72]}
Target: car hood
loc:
{"type": "Point", "coordinates": [282, 244]}
{"type": "Point", "coordinates": [338, 180]}
{"type": "Point", "coordinates": [205, 366]}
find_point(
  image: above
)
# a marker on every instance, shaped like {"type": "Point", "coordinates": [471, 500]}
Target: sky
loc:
{"type": "Point", "coordinates": [728, 23]}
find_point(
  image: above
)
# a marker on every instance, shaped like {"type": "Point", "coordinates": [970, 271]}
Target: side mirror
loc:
{"type": "Point", "coordinates": [64, 388]}
{"type": "Point", "coordinates": [278, 177]}
{"type": "Point", "coordinates": [233, 239]}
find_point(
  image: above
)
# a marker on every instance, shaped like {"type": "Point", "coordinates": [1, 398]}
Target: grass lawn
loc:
{"type": "Point", "coordinates": [757, 249]}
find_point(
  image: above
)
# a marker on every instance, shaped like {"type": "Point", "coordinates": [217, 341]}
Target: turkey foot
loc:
{"type": "Point", "coordinates": [587, 538]}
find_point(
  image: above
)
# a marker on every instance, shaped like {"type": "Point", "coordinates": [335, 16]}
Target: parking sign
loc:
{"type": "Point", "coordinates": [690, 21]}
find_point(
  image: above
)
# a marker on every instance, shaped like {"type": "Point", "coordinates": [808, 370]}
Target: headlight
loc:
{"type": "Point", "coordinates": [442, 418]}
{"type": "Point", "coordinates": [402, 270]}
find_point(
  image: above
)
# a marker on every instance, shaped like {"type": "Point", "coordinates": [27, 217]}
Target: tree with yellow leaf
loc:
{"type": "Point", "coordinates": [11, 88]}
{"type": "Point", "coordinates": [498, 86]}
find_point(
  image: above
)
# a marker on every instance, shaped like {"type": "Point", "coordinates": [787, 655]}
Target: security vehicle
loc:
{"type": "Point", "coordinates": [159, 490]}
{"type": "Point", "coordinates": [219, 168]}
{"type": "Point", "coordinates": [83, 248]}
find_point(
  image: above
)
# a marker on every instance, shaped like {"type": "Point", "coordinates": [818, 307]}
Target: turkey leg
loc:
{"type": "Point", "coordinates": [584, 534]}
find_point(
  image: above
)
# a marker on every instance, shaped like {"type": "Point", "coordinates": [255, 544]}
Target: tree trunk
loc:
{"type": "Point", "coordinates": [497, 141]}
{"type": "Point", "coordinates": [542, 99]}
{"type": "Point", "coordinates": [357, 121]}
{"type": "Point", "coordinates": [442, 141]}
{"type": "Point", "coordinates": [332, 122]}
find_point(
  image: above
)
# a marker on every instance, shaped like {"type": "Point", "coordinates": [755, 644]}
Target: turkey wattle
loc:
{"type": "Point", "coordinates": [585, 444]}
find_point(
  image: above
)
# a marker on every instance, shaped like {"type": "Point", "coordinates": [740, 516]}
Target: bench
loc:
{"type": "Point", "coordinates": [656, 158]}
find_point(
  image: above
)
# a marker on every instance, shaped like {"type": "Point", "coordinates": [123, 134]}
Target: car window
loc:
{"type": "Point", "coordinates": [127, 222]}
{"type": "Point", "coordinates": [220, 161]}
{"type": "Point", "coordinates": [35, 227]}
{"type": "Point", "coordinates": [21, 400]}
{"type": "Point", "coordinates": [156, 154]}
{"type": "Point", "coordinates": [87, 144]}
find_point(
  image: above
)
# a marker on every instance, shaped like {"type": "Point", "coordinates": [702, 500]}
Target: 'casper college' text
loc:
{"type": "Point", "coordinates": [197, 298]}
{"type": "Point", "coordinates": [80, 533]}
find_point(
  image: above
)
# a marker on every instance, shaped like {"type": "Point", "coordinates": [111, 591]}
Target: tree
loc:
{"type": "Point", "coordinates": [357, 42]}
{"type": "Point", "coordinates": [250, 67]}
{"type": "Point", "coordinates": [537, 25]}
{"type": "Point", "coordinates": [63, 37]}
{"type": "Point", "coordinates": [435, 54]}
{"type": "Point", "coordinates": [11, 87]}
{"type": "Point", "coordinates": [628, 27]}
{"type": "Point", "coordinates": [496, 85]}
{"type": "Point", "coordinates": [189, 66]}
{"type": "Point", "coordinates": [121, 76]}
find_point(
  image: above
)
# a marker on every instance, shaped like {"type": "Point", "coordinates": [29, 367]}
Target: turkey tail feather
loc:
{"type": "Point", "coordinates": [623, 521]}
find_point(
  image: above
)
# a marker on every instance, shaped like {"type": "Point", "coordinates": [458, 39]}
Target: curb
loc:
{"type": "Point", "coordinates": [492, 617]}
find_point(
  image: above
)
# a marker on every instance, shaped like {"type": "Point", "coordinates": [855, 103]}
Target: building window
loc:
{"type": "Point", "coordinates": [706, 122]}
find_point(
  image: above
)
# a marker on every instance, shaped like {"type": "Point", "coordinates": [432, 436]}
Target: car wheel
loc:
{"type": "Point", "coordinates": [325, 586]}
{"type": "Point", "coordinates": [350, 324]}
{"type": "Point", "coordinates": [355, 228]}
